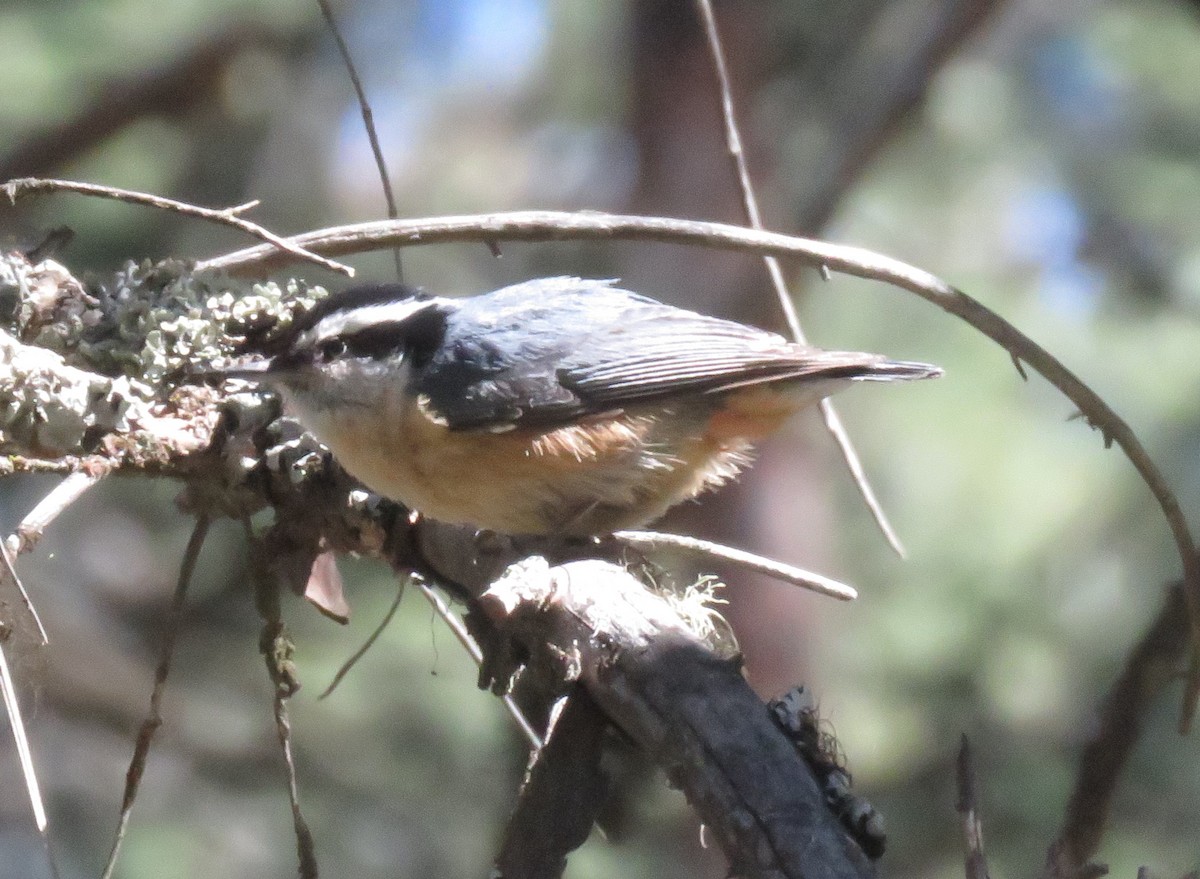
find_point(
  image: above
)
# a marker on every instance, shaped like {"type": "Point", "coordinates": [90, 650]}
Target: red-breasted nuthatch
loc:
{"type": "Point", "coordinates": [558, 406]}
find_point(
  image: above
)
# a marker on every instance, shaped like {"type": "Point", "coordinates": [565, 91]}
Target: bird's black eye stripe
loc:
{"type": "Point", "coordinates": [415, 337]}
{"type": "Point", "coordinates": [376, 342]}
{"type": "Point", "coordinates": [425, 332]}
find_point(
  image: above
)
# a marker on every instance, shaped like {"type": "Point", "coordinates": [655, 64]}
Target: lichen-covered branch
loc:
{"type": "Point", "coordinates": [97, 379]}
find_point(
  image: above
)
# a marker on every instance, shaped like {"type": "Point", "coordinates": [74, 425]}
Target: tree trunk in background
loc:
{"type": "Point", "coordinates": [846, 76]}
{"type": "Point", "coordinates": [780, 506]}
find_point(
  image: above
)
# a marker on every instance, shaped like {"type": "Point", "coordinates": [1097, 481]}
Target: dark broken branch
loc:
{"type": "Point", "coordinates": [1153, 664]}
{"type": "Point", "coordinates": [562, 795]}
{"type": "Point", "coordinates": [690, 709]}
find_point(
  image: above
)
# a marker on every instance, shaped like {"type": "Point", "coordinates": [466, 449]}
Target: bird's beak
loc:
{"type": "Point", "coordinates": [251, 371]}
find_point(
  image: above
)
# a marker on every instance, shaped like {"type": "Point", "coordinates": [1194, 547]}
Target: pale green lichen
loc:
{"type": "Point", "coordinates": [151, 321]}
{"type": "Point", "coordinates": [47, 406]}
{"type": "Point", "coordinates": [158, 321]}
{"type": "Point", "coordinates": [83, 360]}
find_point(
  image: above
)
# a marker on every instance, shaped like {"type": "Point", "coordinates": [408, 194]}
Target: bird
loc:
{"type": "Point", "coordinates": [556, 407]}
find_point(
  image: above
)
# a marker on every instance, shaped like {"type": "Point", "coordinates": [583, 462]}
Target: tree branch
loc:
{"type": "Point", "coordinates": [1151, 666]}
{"type": "Point", "coordinates": [975, 865]}
{"type": "Point", "coordinates": [561, 797]}
{"type": "Point", "coordinates": [685, 706]}
{"type": "Point", "coordinates": [649, 687]}
{"type": "Point", "coordinates": [231, 216]}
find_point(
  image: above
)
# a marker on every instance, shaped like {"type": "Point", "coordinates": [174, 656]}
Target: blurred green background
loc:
{"type": "Point", "coordinates": [1043, 157]}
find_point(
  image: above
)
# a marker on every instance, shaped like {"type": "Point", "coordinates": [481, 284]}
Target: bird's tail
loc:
{"type": "Point", "coordinates": [895, 370]}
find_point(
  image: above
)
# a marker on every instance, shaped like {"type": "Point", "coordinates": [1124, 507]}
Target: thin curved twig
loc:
{"type": "Point", "coordinates": [12, 707]}
{"type": "Point", "coordinates": [366, 645]}
{"type": "Point", "coordinates": [651, 540]}
{"type": "Point", "coordinates": [305, 847]}
{"type": "Point", "coordinates": [277, 650]}
{"type": "Point", "coordinates": [30, 531]}
{"type": "Point", "coordinates": [856, 261]}
{"type": "Point", "coordinates": [464, 638]}
{"type": "Point", "coordinates": [141, 750]}
{"type": "Point", "coordinates": [741, 172]}
{"type": "Point", "coordinates": [368, 118]}
{"type": "Point", "coordinates": [49, 508]}
{"type": "Point", "coordinates": [14, 189]}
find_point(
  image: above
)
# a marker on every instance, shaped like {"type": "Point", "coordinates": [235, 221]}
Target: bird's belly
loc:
{"type": "Point", "coordinates": [579, 480]}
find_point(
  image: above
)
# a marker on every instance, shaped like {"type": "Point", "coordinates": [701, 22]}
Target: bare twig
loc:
{"type": "Point", "coordinates": [141, 750]}
{"type": "Point", "coordinates": [305, 848]}
{"type": "Point", "coordinates": [1151, 666]}
{"type": "Point", "coordinates": [464, 638]}
{"type": "Point", "coordinates": [34, 525]}
{"type": "Point", "coordinates": [12, 706]}
{"type": "Point", "coordinates": [277, 650]}
{"type": "Point", "coordinates": [368, 118]}
{"type": "Point", "coordinates": [49, 508]}
{"type": "Point", "coordinates": [22, 617]}
{"type": "Point", "coordinates": [551, 225]}
{"type": "Point", "coordinates": [652, 540]}
{"type": "Point", "coordinates": [857, 261]}
{"type": "Point", "coordinates": [14, 189]}
{"type": "Point", "coordinates": [968, 812]}
{"type": "Point", "coordinates": [741, 171]}
{"type": "Point", "coordinates": [27, 534]}
{"type": "Point", "coordinates": [366, 645]}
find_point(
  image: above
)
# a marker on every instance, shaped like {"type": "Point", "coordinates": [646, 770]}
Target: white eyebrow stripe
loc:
{"type": "Point", "coordinates": [354, 320]}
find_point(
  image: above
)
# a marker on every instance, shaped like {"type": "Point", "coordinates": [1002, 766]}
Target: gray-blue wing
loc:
{"type": "Point", "coordinates": [552, 350]}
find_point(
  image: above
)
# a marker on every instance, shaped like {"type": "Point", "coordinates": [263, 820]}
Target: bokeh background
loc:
{"type": "Point", "coordinates": [1041, 156]}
